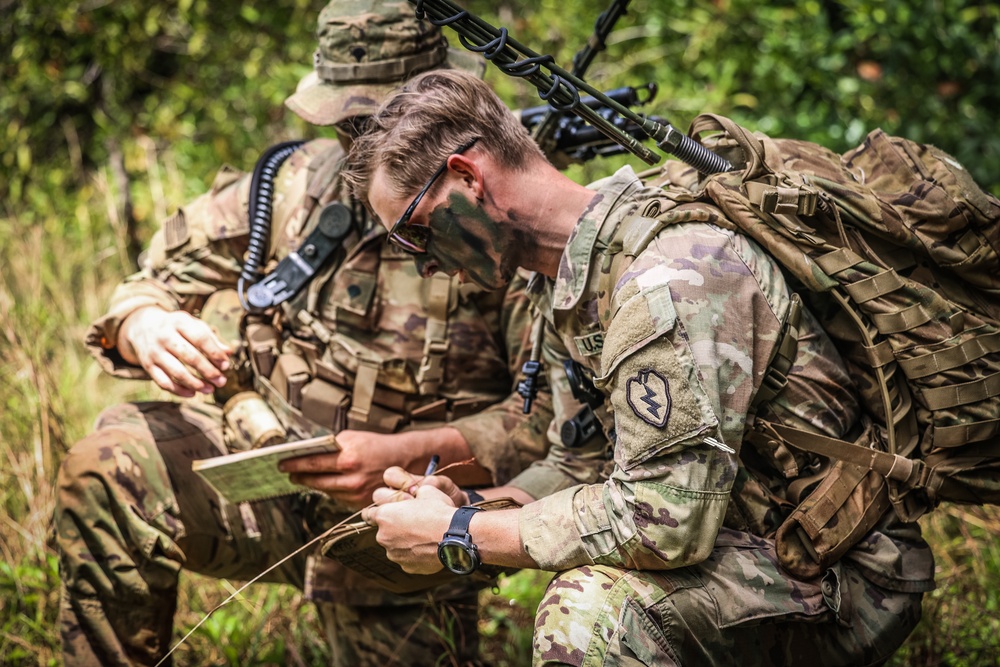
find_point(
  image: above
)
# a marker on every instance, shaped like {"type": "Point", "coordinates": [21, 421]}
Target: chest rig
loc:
{"type": "Point", "coordinates": [315, 328]}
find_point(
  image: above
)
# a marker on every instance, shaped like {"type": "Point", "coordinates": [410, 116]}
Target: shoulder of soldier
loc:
{"type": "Point", "coordinates": [684, 245]}
{"type": "Point", "coordinates": [314, 156]}
{"type": "Point", "coordinates": [222, 212]}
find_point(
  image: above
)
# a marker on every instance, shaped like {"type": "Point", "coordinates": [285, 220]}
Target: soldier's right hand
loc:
{"type": "Point", "coordinates": [181, 353]}
{"type": "Point", "coordinates": [402, 485]}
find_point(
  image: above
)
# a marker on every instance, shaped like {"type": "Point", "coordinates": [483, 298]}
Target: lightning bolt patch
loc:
{"type": "Point", "coordinates": [648, 395]}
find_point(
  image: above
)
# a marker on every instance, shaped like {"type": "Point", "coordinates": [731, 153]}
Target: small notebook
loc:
{"type": "Point", "coordinates": [254, 475]}
{"type": "Point", "coordinates": [354, 545]}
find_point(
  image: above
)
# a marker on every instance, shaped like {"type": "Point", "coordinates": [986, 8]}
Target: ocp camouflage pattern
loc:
{"type": "Point", "coordinates": [689, 319]}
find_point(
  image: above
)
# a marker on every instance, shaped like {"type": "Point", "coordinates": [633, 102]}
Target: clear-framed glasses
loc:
{"type": "Point", "coordinates": [413, 239]}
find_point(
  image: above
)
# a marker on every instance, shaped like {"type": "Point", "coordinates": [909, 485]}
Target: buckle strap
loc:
{"type": "Point", "coordinates": [364, 389]}
{"type": "Point", "coordinates": [782, 200]}
{"type": "Point", "coordinates": [908, 472]}
{"type": "Point", "coordinates": [783, 356]}
{"type": "Point", "coordinates": [431, 371]}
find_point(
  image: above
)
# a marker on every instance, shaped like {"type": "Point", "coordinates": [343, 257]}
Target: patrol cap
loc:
{"type": "Point", "coordinates": [367, 48]}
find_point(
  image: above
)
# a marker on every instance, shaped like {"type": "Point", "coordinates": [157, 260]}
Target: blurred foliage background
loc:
{"type": "Point", "coordinates": [114, 112]}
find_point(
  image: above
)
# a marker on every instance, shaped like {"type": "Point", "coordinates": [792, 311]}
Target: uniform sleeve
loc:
{"type": "Point", "coordinates": [690, 338]}
{"type": "Point", "coordinates": [196, 252]}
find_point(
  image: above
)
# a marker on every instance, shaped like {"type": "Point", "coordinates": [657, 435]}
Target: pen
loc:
{"type": "Point", "coordinates": [432, 466]}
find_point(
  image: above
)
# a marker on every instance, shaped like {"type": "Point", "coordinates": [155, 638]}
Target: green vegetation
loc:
{"type": "Point", "coordinates": [115, 113]}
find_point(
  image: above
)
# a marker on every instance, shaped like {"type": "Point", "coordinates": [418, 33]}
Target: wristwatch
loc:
{"type": "Point", "coordinates": [456, 551]}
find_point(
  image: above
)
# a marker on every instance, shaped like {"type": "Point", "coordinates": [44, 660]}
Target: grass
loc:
{"type": "Point", "coordinates": [60, 260]}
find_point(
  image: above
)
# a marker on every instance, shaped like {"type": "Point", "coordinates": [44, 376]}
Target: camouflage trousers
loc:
{"type": "Point", "coordinates": [130, 515]}
{"type": "Point", "coordinates": [736, 608]}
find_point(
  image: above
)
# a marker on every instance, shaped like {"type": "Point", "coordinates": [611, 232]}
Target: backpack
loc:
{"type": "Point", "coordinates": [895, 249]}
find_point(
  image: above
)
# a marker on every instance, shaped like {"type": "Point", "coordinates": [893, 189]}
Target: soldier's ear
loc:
{"type": "Point", "coordinates": [469, 170]}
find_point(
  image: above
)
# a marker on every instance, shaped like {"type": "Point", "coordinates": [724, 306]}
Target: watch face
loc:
{"type": "Point", "coordinates": [457, 556]}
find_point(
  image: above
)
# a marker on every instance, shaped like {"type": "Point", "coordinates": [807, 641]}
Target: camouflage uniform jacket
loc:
{"type": "Point", "coordinates": [679, 339]}
{"type": "Point", "coordinates": [369, 303]}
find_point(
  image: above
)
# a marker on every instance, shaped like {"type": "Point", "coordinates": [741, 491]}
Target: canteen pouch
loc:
{"type": "Point", "coordinates": [842, 509]}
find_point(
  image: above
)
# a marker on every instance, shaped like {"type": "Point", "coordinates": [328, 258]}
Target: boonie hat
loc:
{"type": "Point", "coordinates": [367, 48]}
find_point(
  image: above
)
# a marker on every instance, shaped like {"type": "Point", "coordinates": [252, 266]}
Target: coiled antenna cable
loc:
{"type": "Point", "coordinates": [260, 205]}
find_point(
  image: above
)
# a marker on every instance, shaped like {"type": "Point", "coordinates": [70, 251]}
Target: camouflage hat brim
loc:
{"type": "Point", "coordinates": [322, 103]}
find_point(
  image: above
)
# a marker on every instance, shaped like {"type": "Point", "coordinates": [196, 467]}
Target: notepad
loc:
{"type": "Point", "coordinates": [254, 475]}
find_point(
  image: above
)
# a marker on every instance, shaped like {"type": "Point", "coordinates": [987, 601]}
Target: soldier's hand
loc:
{"type": "Point", "coordinates": [410, 531]}
{"type": "Point", "coordinates": [181, 353]}
{"type": "Point", "coordinates": [352, 474]}
{"type": "Point", "coordinates": [401, 485]}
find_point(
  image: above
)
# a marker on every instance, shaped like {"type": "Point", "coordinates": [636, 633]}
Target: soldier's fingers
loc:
{"type": "Point", "coordinates": [428, 492]}
{"type": "Point", "coordinates": [398, 478]}
{"type": "Point", "coordinates": [204, 338]}
{"type": "Point", "coordinates": [370, 515]}
{"type": "Point", "coordinates": [384, 495]}
{"type": "Point", "coordinates": [317, 464]}
{"type": "Point", "coordinates": [325, 482]}
{"type": "Point", "coordinates": [178, 373]}
{"type": "Point", "coordinates": [163, 381]}
{"type": "Point", "coordinates": [195, 360]}
{"type": "Point", "coordinates": [444, 484]}
{"type": "Point", "coordinates": [351, 493]}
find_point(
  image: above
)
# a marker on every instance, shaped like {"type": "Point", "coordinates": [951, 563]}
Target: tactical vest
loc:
{"type": "Point", "coordinates": [367, 343]}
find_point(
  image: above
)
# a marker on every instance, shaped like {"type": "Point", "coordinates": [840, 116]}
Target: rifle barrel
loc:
{"type": "Point", "coordinates": [546, 129]}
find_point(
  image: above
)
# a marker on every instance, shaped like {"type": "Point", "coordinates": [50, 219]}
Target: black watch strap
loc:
{"type": "Point", "coordinates": [474, 496]}
{"type": "Point", "coordinates": [460, 521]}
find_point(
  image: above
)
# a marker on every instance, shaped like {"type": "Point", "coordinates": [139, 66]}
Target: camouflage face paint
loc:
{"type": "Point", "coordinates": [466, 238]}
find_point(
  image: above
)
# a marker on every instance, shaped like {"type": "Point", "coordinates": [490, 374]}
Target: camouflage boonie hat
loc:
{"type": "Point", "coordinates": [367, 48]}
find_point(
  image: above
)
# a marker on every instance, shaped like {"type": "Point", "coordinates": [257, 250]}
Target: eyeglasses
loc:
{"type": "Point", "coordinates": [413, 239]}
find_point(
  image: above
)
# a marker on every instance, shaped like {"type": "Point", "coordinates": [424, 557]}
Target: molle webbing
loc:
{"type": "Point", "coordinates": [363, 395]}
{"type": "Point", "coordinates": [386, 71]}
{"type": "Point", "coordinates": [898, 236]}
{"type": "Point", "coordinates": [783, 356]}
{"type": "Point", "coordinates": [443, 291]}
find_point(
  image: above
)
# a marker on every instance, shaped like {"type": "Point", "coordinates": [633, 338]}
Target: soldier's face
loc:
{"type": "Point", "coordinates": [469, 238]}
{"type": "Point", "coordinates": [466, 236]}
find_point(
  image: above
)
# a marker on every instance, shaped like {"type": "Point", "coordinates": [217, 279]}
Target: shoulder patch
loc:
{"type": "Point", "coordinates": [648, 395]}
{"type": "Point", "coordinates": [175, 231]}
{"type": "Point", "coordinates": [590, 344]}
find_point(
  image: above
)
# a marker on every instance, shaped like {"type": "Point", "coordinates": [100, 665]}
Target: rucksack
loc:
{"type": "Point", "coordinates": [895, 249]}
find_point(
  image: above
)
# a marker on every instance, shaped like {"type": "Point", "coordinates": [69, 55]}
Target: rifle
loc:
{"type": "Point", "coordinates": [561, 89]}
{"type": "Point", "coordinates": [573, 141]}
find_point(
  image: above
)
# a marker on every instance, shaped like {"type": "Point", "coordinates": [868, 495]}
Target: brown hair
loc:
{"type": "Point", "coordinates": [418, 127]}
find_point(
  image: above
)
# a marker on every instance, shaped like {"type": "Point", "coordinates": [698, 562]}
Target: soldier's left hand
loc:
{"type": "Point", "coordinates": [410, 530]}
{"type": "Point", "coordinates": [352, 474]}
